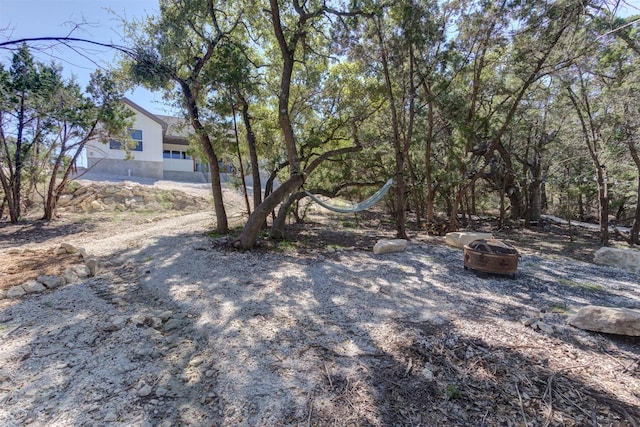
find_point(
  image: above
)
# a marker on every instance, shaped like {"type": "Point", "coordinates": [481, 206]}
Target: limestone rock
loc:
{"type": "Point", "coordinates": [110, 417]}
{"type": "Point", "coordinates": [97, 205]}
{"type": "Point", "coordinates": [460, 238]}
{"type": "Point", "coordinates": [69, 248]}
{"type": "Point", "coordinates": [15, 291]}
{"type": "Point", "coordinates": [59, 251]}
{"type": "Point", "coordinates": [173, 324]}
{"type": "Point", "coordinates": [50, 282]}
{"type": "Point", "coordinates": [82, 271]}
{"type": "Point", "coordinates": [386, 246]}
{"type": "Point", "coordinates": [610, 320]}
{"type": "Point", "coordinates": [70, 276]}
{"type": "Point", "coordinates": [64, 200]}
{"type": "Point", "coordinates": [92, 265]}
{"type": "Point", "coordinates": [145, 390]}
{"type": "Point", "coordinates": [545, 327]}
{"type": "Point", "coordinates": [33, 286]}
{"type": "Point", "coordinates": [628, 259]}
{"type": "Point", "coordinates": [125, 193]}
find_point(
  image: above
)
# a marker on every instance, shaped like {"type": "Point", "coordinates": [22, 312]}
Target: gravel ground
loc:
{"type": "Point", "coordinates": [178, 330]}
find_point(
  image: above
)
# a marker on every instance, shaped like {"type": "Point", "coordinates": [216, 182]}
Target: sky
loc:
{"type": "Point", "coordinates": [39, 18]}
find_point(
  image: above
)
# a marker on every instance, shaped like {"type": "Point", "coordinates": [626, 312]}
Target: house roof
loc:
{"type": "Point", "coordinates": [152, 116]}
{"type": "Point", "coordinates": [177, 127]}
{"type": "Point", "coordinates": [175, 130]}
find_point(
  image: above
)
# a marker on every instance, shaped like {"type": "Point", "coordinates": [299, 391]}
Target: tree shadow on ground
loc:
{"type": "Point", "coordinates": [318, 337]}
{"type": "Point", "coordinates": [38, 231]}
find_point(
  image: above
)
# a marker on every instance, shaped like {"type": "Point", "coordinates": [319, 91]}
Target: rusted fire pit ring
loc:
{"type": "Point", "coordinates": [491, 256]}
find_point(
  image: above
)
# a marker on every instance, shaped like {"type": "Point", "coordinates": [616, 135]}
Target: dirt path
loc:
{"type": "Point", "coordinates": [179, 331]}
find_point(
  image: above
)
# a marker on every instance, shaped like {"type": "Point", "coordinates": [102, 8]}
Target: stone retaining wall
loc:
{"type": "Point", "coordinates": [129, 196]}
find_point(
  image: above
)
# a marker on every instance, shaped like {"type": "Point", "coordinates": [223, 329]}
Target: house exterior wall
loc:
{"type": "Point", "coordinates": [181, 165]}
{"type": "Point", "coordinates": [101, 158]}
{"type": "Point", "coordinates": [126, 168]}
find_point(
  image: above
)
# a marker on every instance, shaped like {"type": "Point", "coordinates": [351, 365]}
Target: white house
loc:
{"type": "Point", "coordinates": [160, 152]}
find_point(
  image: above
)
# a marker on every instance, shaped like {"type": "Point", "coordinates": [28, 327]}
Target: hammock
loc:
{"type": "Point", "coordinates": [364, 205]}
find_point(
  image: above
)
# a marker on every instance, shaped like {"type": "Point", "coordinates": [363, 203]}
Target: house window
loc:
{"type": "Point", "coordinates": [174, 154]}
{"type": "Point", "coordinates": [136, 136]}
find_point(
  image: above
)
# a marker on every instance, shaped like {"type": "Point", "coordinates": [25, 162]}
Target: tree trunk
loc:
{"type": "Point", "coordinates": [428, 176]}
{"type": "Point", "coordinates": [535, 190]}
{"type": "Point", "coordinates": [401, 230]}
{"type": "Point", "coordinates": [634, 238]}
{"type": "Point", "coordinates": [241, 164]}
{"type": "Point", "coordinates": [15, 181]}
{"type": "Point", "coordinates": [277, 229]}
{"type": "Point", "coordinates": [52, 197]}
{"type": "Point", "coordinates": [589, 134]}
{"type": "Point", "coordinates": [635, 229]}
{"type": "Point", "coordinates": [55, 188]}
{"type": "Point", "coordinates": [603, 199]}
{"type": "Point", "coordinates": [253, 154]}
{"type": "Point", "coordinates": [222, 225]}
{"type": "Point", "coordinates": [6, 188]}
{"type": "Point", "coordinates": [251, 230]}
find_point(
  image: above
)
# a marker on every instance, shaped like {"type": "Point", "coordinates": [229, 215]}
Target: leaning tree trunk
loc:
{"type": "Point", "coordinates": [277, 229]}
{"type": "Point", "coordinates": [251, 230]}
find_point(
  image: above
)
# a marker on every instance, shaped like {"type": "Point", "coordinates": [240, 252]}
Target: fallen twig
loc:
{"type": "Point", "coordinates": [524, 416]}
{"type": "Point", "coordinates": [326, 370]}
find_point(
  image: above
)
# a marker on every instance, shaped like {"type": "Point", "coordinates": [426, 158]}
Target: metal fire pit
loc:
{"type": "Point", "coordinates": [491, 256]}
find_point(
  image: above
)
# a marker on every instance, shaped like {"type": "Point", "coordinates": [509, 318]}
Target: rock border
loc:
{"type": "Point", "coordinates": [88, 268]}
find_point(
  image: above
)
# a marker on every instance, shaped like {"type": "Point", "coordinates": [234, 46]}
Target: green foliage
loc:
{"type": "Point", "coordinates": [480, 89]}
{"type": "Point", "coordinates": [165, 198]}
{"type": "Point", "coordinates": [46, 121]}
{"type": "Point", "coordinates": [453, 392]}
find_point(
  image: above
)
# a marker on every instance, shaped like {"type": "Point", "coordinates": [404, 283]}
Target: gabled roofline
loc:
{"type": "Point", "coordinates": [152, 116]}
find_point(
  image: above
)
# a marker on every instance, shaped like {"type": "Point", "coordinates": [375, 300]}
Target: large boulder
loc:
{"type": "Point", "coordinates": [628, 259]}
{"type": "Point", "coordinates": [385, 246]}
{"type": "Point", "coordinates": [461, 238]}
{"type": "Point", "coordinates": [610, 320]}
